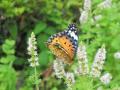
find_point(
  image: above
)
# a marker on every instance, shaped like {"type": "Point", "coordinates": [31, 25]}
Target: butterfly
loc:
{"type": "Point", "coordinates": [64, 44]}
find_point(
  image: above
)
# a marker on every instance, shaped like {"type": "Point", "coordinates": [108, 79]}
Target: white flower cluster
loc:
{"type": "Point", "coordinates": [69, 80]}
{"type": "Point", "coordinates": [32, 51]}
{"type": "Point", "coordinates": [97, 17]}
{"type": "Point", "coordinates": [105, 4]}
{"type": "Point", "coordinates": [59, 71]}
{"type": "Point", "coordinates": [106, 78]}
{"type": "Point", "coordinates": [87, 5]}
{"type": "Point", "coordinates": [98, 62]}
{"type": "Point", "coordinates": [117, 55]}
{"type": "Point", "coordinates": [83, 68]}
{"type": "Point", "coordinates": [84, 14]}
{"type": "Point", "coordinates": [58, 67]}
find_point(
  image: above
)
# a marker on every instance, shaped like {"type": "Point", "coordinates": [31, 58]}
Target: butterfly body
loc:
{"type": "Point", "coordinates": [64, 44]}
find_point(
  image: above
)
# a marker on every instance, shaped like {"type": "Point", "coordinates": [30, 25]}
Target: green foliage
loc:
{"type": "Point", "coordinates": [45, 17]}
{"type": "Point", "coordinates": [7, 78]}
{"type": "Point", "coordinates": [40, 26]}
{"type": "Point", "coordinates": [7, 59]}
{"type": "Point", "coordinates": [10, 8]}
{"type": "Point", "coordinates": [83, 83]}
{"type": "Point", "coordinates": [8, 47]}
{"type": "Point", "coordinates": [13, 31]}
{"type": "Point", "coordinates": [8, 74]}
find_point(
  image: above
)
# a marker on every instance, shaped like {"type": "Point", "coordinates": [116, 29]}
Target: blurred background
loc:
{"type": "Point", "coordinates": [18, 18]}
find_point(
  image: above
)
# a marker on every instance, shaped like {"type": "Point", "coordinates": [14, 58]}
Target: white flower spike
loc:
{"type": "Point", "coordinates": [58, 67]}
{"type": "Point", "coordinates": [105, 4]}
{"type": "Point", "coordinates": [69, 80]}
{"type": "Point", "coordinates": [98, 62]}
{"type": "Point", "coordinates": [87, 5]}
{"type": "Point", "coordinates": [32, 51]}
{"type": "Point", "coordinates": [83, 68]}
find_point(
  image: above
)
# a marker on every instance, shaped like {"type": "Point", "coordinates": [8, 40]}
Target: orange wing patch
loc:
{"type": "Point", "coordinates": [62, 48]}
{"type": "Point", "coordinates": [67, 45]}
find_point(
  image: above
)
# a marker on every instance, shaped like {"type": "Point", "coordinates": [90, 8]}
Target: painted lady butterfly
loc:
{"type": "Point", "coordinates": [64, 44]}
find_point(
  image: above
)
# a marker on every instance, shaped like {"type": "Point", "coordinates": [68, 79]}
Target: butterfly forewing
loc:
{"type": "Point", "coordinates": [64, 44]}
{"type": "Point", "coordinates": [58, 49]}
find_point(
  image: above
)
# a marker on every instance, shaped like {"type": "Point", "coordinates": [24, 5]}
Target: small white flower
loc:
{"type": "Point", "coordinates": [84, 14]}
{"type": "Point", "coordinates": [98, 62]}
{"type": "Point", "coordinates": [82, 60]}
{"type": "Point", "coordinates": [69, 79]}
{"type": "Point", "coordinates": [117, 55]}
{"type": "Point", "coordinates": [32, 51]}
{"type": "Point", "coordinates": [78, 70]}
{"type": "Point", "coordinates": [87, 5]}
{"type": "Point", "coordinates": [81, 52]}
{"type": "Point", "coordinates": [95, 72]}
{"type": "Point", "coordinates": [105, 4]}
{"type": "Point", "coordinates": [84, 17]}
{"type": "Point", "coordinates": [34, 64]}
{"type": "Point", "coordinates": [97, 17]}
{"type": "Point", "coordinates": [106, 78]}
{"type": "Point", "coordinates": [58, 67]}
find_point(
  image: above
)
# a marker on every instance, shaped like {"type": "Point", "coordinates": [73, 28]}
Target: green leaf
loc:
{"type": "Point", "coordinates": [41, 39]}
{"type": "Point", "coordinates": [50, 31]}
{"type": "Point", "coordinates": [10, 42]}
{"type": "Point", "coordinates": [83, 83]}
{"type": "Point", "coordinates": [7, 59]}
{"type": "Point", "coordinates": [40, 26]}
{"type": "Point", "coordinates": [13, 31]}
{"type": "Point", "coordinates": [7, 78]}
{"type": "Point", "coordinates": [116, 43]}
{"type": "Point", "coordinates": [44, 57]}
{"type": "Point", "coordinates": [19, 10]}
{"type": "Point", "coordinates": [8, 46]}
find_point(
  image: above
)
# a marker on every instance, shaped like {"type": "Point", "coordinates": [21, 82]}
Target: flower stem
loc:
{"type": "Point", "coordinates": [36, 79]}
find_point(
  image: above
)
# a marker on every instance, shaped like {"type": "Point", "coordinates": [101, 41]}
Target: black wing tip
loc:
{"type": "Point", "coordinates": [72, 25]}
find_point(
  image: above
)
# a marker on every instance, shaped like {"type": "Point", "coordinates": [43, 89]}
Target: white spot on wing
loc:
{"type": "Point", "coordinates": [72, 34]}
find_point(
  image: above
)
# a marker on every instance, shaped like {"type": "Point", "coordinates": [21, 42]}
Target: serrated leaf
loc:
{"type": "Point", "coordinates": [7, 59]}
{"type": "Point", "coordinates": [7, 78]}
{"type": "Point", "coordinates": [8, 47]}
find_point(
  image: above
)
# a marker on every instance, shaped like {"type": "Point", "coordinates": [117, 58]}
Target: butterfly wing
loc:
{"type": "Point", "coordinates": [58, 49]}
{"type": "Point", "coordinates": [64, 44]}
{"type": "Point", "coordinates": [68, 47]}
